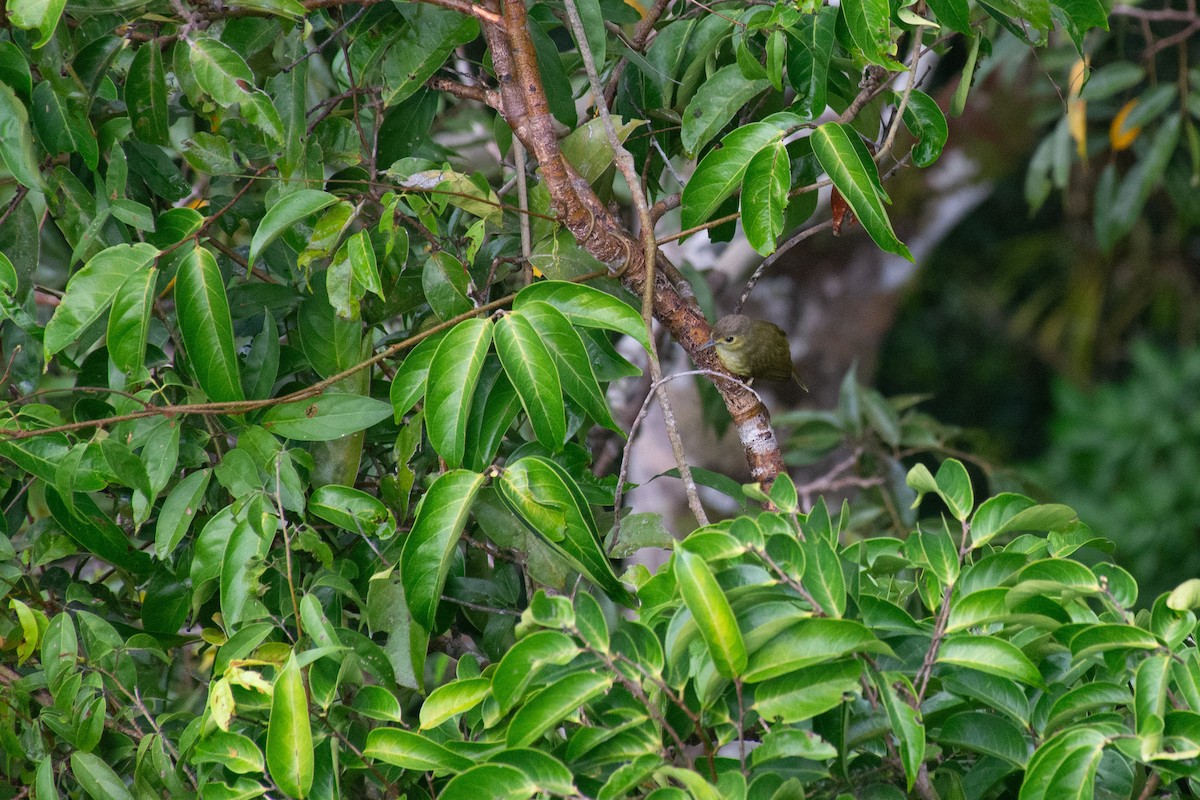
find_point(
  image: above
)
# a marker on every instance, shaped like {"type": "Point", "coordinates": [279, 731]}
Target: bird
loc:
{"type": "Point", "coordinates": [753, 348]}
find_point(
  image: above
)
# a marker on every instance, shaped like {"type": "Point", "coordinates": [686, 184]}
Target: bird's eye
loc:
{"type": "Point", "coordinates": [729, 340]}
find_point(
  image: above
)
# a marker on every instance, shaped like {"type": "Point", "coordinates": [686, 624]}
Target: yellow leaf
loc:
{"type": "Point", "coordinates": [1077, 108]}
{"type": "Point", "coordinates": [1119, 136]}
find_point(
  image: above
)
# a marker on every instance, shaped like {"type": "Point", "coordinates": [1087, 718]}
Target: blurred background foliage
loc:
{"type": "Point", "coordinates": [1058, 320]}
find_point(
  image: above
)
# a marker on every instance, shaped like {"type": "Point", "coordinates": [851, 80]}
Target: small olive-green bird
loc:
{"type": "Point", "coordinates": [753, 348]}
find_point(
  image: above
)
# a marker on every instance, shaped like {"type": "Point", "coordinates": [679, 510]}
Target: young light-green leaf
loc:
{"type": "Point", "coordinates": [206, 327]}
{"type": "Point", "coordinates": [289, 210]}
{"type": "Point", "coordinates": [16, 140]}
{"type": "Point", "coordinates": [289, 733]}
{"type": "Point", "coordinates": [40, 16]}
{"type": "Point", "coordinates": [720, 172]}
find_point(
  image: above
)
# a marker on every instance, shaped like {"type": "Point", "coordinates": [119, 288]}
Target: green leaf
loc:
{"type": "Point", "coordinates": [897, 692]}
{"type": "Point", "coordinates": [424, 44]}
{"type": "Point", "coordinates": [178, 511]}
{"type": "Point", "coordinates": [409, 382]}
{"type": "Point", "coordinates": [206, 327]}
{"type": "Point", "coordinates": [856, 178]}
{"type": "Point", "coordinates": [765, 197]}
{"type": "Point", "coordinates": [520, 666]}
{"type": "Point", "coordinates": [1096, 639]}
{"type": "Point", "coordinates": [704, 598]}
{"type": "Point", "coordinates": [287, 211]}
{"type": "Point", "coordinates": [807, 642]}
{"type": "Point", "coordinates": [869, 25]}
{"type": "Point", "coordinates": [240, 570]}
{"type": "Point", "coordinates": [325, 418]}
{"type": "Point", "coordinates": [547, 499]}
{"type": "Point", "coordinates": [954, 14]}
{"type": "Point", "coordinates": [493, 781]}
{"type": "Point", "coordinates": [425, 558]}
{"type": "Point", "coordinates": [927, 124]}
{"type": "Point", "coordinates": [823, 576]}
{"type": "Point", "coordinates": [97, 778]}
{"type": "Point", "coordinates": [146, 96]}
{"type": "Point", "coordinates": [129, 320]}
{"type": "Point", "coordinates": [533, 373]}
{"type": "Point", "coordinates": [61, 128]}
{"type": "Point", "coordinates": [804, 693]}
{"type": "Point", "coordinates": [987, 734]}
{"type": "Point", "coordinates": [552, 705]}
{"type": "Point", "coordinates": [808, 64]}
{"type": "Point", "coordinates": [445, 281]}
{"type": "Point", "coordinates": [991, 655]}
{"type": "Point", "coordinates": [586, 307]}
{"type": "Point", "coordinates": [1185, 596]}
{"type": "Point", "coordinates": [362, 263]}
{"type": "Point", "coordinates": [454, 371]}
{"type": "Point", "coordinates": [289, 734]}
{"type": "Point", "coordinates": [588, 148]}
{"type": "Point", "coordinates": [1064, 766]}
{"type": "Point", "coordinates": [221, 72]}
{"type": "Point", "coordinates": [36, 15]}
{"type": "Point", "coordinates": [174, 225]}
{"type": "Point", "coordinates": [236, 752]}
{"type": "Point", "coordinates": [714, 104]}
{"type": "Point", "coordinates": [452, 699]}
{"type": "Point", "coordinates": [60, 651]}
{"type": "Point", "coordinates": [570, 355]}
{"type": "Point", "coordinates": [91, 290]}
{"type": "Point", "coordinates": [720, 172]}
{"type": "Point", "coordinates": [290, 9]}
{"type": "Point", "coordinates": [412, 751]}
{"type": "Point", "coordinates": [353, 510]}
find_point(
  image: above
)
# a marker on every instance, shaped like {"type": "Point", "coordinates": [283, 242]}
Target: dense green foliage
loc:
{"type": "Point", "coordinates": [303, 396]}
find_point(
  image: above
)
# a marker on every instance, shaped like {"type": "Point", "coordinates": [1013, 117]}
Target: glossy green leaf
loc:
{"type": "Point", "coordinates": [91, 290]}
{"type": "Point", "coordinates": [17, 140]}
{"type": "Point", "coordinates": [325, 418]}
{"type": "Point", "coordinates": [129, 320]}
{"type": "Point", "coordinates": [549, 707]}
{"type": "Point", "coordinates": [60, 650]}
{"type": "Point", "coordinates": [765, 190]}
{"type": "Point", "coordinates": [454, 370]}
{"type": "Point", "coordinates": [409, 382]}
{"type": "Point", "coordinates": [719, 174]}
{"type": "Point", "coordinates": [1064, 766]}
{"type": "Point", "coordinates": [806, 692]}
{"type": "Point", "coordinates": [286, 212]}
{"type": "Point", "coordinates": [241, 566]}
{"type": "Point", "coordinates": [533, 373]}
{"type": "Point", "coordinates": [991, 655]}
{"type": "Point", "coordinates": [174, 225]}
{"type": "Point", "coordinates": [571, 357]}
{"type": "Point", "coordinates": [289, 733]}
{"type": "Point", "coordinates": [586, 307]}
{"type": "Point", "coordinates": [823, 576]}
{"type": "Point", "coordinates": [524, 660]}
{"type": "Point", "coordinates": [40, 16]}
{"type": "Point", "coordinates": [1101, 638]}
{"type": "Point", "coordinates": [927, 124]}
{"type": "Point", "coordinates": [352, 510]}
{"type": "Point", "coordinates": [291, 9]}
{"type": "Point", "coordinates": [494, 781]}
{"type": "Point", "coordinates": [97, 778]}
{"type": "Point", "coordinates": [206, 327]}
{"type": "Point", "coordinates": [710, 608]}
{"type": "Point", "coordinates": [146, 96]}
{"type": "Point", "coordinates": [808, 642]}
{"type": "Point", "coordinates": [954, 14]}
{"type": "Point", "coordinates": [549, 501]}
{"type": "Point", "coordinates": [412, 751]}
{"type": "Point", "coordinates": [452, 699]}
{"type": "Point", "coordinates": [425, 559]}
{"type": "Point", "coordinates": [856, 177]}
{"type": "Point", "coordinates": [714, 104]}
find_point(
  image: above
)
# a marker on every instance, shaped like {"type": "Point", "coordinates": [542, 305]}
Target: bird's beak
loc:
{"type": "Point", "coordinates": [708, 344]}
